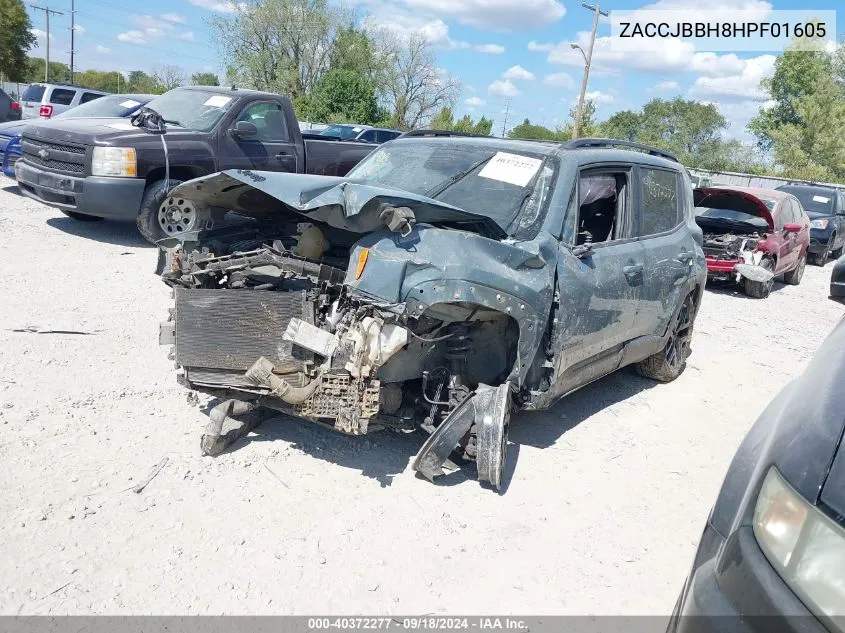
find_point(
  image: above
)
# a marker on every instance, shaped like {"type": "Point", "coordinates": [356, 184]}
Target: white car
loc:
{"type": "Point", "coordinates": [43, 100]}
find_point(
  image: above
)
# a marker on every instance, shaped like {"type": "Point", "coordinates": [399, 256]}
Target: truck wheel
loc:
{"type": "Point", "coordinates": [151, 203]}
{"type": "Point", "coordinates": [81, 216]}
{"type": "Point", "coordinates": [760, 289]}
{"type": "Point", "coordinates": [669, 363]}
{"type": "Point", "coordinates": [793, 277]}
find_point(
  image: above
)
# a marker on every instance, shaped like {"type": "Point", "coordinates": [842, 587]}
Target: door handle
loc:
{"type": "Point", "coordinates": [685, 256]}
{"type": "Point", "coordinates": [282, 155]}
{"type": "Point", "coordinates": [633, 269]}
{"type": "Point", "coordinates": [633, 274]}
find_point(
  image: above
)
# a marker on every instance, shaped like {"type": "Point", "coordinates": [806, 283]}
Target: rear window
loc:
{"type": "Point", "coordinates": [62, 96]}
{"type": "Point", "coordinates": [660, 207]}
{"type": "Point", "coordinates": [33, 93]}
{"type": "Point", "coordinates": [89, 96]}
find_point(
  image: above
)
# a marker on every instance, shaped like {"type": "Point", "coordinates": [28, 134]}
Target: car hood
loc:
{"type": "Point", "coordinates": [13, 128]}
{"type": "Point", "coordinates": [723, 198]}
{"type": "Point", "coordinates": [98, 131]}
{"type": "Point", "coordinates": [337, 201]}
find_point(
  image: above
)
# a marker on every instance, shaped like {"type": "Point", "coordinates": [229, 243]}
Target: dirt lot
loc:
{"type": "Point", "coordinates": [602, 513]}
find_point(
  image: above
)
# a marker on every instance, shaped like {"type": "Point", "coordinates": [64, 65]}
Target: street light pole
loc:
{"type": "Point", "coordinates": [47, 11]}
{"type": "Point", "coordinates": [588, 58]}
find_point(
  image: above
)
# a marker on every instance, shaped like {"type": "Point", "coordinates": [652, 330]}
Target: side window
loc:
{"type": "Point", "coordinates": [385, 135]}
{"type": "Point", "coordinates": [89, 96]}
{"type": "Point", "coordinates": [268, 118]}
{"type": "Point", "coordinates": [369, 136]}
{"type": "Point", "coordinates": [61, 96]}
{"type": "Point", "coordinates": [660, 205]}
{"type": "Point", "coordinates": [602, 200]}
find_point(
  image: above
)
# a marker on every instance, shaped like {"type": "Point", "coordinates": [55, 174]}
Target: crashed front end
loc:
{"type": "Point", "coordinates": [731, 257]}
{"type": "Point", "coordinates": [359, 309]}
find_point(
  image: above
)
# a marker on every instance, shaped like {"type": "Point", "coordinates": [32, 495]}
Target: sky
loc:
{"type": "Point", "coordinates": [509, 55]}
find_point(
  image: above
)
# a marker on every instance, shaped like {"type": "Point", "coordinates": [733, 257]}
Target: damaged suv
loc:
{"type": "Point", "coordinates": [447, 280]}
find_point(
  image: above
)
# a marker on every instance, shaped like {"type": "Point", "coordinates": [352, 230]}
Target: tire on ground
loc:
{"type": "Point", "coordinates": [760, 289]}
{"type": "Point", "coordinates": [147, 219]}
{"type": "Point", "coordinates": [658, 366]}
{"type": "Point", "coordinates": [793, 277]}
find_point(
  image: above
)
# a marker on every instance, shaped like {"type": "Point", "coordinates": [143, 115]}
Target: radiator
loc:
{"type": "Point", "coordinates": [231, 329]}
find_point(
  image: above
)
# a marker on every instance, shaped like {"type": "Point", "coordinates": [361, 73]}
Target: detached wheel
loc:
{"type": "Point", "coordinates": [151, 204]}
{"type": "Point", "coordinates": [760, 289]}
{"type": "Point", "coordinates": [81, 216]}
{"type": "Point", "coordinates": [793, 277]}
{"type": "Point", "coordinates": [669, 363]}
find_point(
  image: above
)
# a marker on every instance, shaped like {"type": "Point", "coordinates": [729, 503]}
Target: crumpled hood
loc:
{"type": "Point", "coordinates": [339, 202]}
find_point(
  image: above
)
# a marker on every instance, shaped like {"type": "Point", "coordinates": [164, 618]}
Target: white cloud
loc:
{"type": "Point", "coordinates": [598, 97]}
{"type": "Point", "coordinates": [666, 86]}
{"type": "Point", "coordinates": [559, 80]}
{"type": "Point", "coordinates": [518, 73]}
{"type": "Point", "coordinates": [493, 14]}
{"type": "Point", "coordinates": [187, 36]}
{"type": "Point", "coordinates": [39, 34]}
{"type": "Point", "coordinates": [133, 37]}
{"type": "Point", "coordinates": [79, 29]}
{"type": "Point", "coordinates": [220, 6]}
{"type": "Point", "coordinates": [742, 86]}
{"type": "Point", "coordinates": [391, 16]}
{"type": "Point", "coordinates": [173, 17]}
{"type": "Point", "coordinates": [502, 88]}
{"type": "Point", "coordinates": [475, 102]}
{"type": "Point", "coordinates": [102, 50]}
{"type": "Point", "coordinates": [490, 49]}
{"type": "Point", "coordinates": [437, 32]}
{"type": "Point", "coordinates": [610, 57]}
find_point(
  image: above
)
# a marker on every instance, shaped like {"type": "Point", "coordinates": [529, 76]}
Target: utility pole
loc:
{"type": "Point", "coordinates": [47, 11]}
{"type": "Point", "coordinates": [505, 124]}
{"type": "Point", "coordinates": [72, 33]}
{"type": "Point", "coordinates": [588, 58]}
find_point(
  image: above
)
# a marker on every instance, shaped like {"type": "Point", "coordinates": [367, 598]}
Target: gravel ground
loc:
{"type": "Point", "coordinates": [602, 514]}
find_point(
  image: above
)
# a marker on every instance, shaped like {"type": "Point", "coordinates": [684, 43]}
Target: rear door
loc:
{"type": "Point", "coordinates": [59, 100]}
{"type": "Point", "coordinates": [598, 293]}
{"type": "Point", "coordinates": [668, 246]}
{"type": "Point", "coordinates": [272, 149]}
{"type": "Point", "coordinates": [31, 100]}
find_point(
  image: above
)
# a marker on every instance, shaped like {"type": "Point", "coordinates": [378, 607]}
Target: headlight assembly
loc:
{"type": "Point", "coordinates": [114, 161]}
{"type": "Point", "coordinates": [819, 224]}
{"type": "Point", "coordinates": [805, 547]}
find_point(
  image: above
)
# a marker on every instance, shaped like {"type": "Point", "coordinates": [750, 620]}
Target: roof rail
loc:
{"type": "Point", "coordinates": [579, 143]}
{"type": "Point", "coordinates": [441, 133]}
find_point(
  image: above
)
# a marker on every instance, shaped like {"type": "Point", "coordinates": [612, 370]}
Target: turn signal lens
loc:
{"type": "Point", "coordinates": [362, 261]}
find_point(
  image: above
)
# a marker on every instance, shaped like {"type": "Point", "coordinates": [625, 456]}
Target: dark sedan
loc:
{"type": "Point", "coordinates": [772, 556]}
{"type": "Point", "coordinates": [826, 208]}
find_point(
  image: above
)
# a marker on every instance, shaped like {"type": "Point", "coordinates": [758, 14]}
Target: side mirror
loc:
{"type": "Point", "coordinates": [792, 228]}
{"type": "Point", "coordinates": [244, 130]}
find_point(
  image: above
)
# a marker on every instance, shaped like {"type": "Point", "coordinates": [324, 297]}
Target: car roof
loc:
{"type": "Point", "coordinates": [228, 90]}
{"type": "Point", "coordinates": [70, 86]}
{"type": "Point", "coordinates": [808, 188]}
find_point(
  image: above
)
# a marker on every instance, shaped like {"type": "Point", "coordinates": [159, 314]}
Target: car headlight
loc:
{"type": "Point", "coordinates": [114, 161]}
{"type": "Point", "coordinates": [805, 547]}
{"type": "Point", "coordinates": [819, 224]}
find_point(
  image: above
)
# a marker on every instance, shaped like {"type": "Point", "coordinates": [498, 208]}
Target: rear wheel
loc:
{"type": "Point", "coordinates": [669, 363]}
{"type": "Point", "coordinates": [760, 289]}
{"type": "Point", "coordinates": [793, 277]}
{"type": "Point", "coordinates": [81, 216]}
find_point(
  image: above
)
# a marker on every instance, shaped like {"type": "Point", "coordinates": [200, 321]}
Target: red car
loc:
{"type": "Point", "coordinates": [752, 235]}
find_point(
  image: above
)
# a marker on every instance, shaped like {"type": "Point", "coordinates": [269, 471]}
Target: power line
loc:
{"type": "Point", "coordinates": [47, 11]}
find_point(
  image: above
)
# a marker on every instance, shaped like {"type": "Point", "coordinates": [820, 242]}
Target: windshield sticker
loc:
{"type": "Point", "coordinates": [821, 199]}
{"type": "Point", "coordinates": [121, 126]}
{"type": "Point", "coordinates": [129, 103]}
{"type": "Point", "coordinates": [217, 101]}
{"type": "Point", "coordinates": [511, 168]}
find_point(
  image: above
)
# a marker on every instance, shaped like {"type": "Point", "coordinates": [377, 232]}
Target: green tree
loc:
{"type": "Point", "coordinates": [342, 96]}
{"type": "Point", "coordinates": [140, 82]}
{"type": "Point", "coordinates": [59, 72]}
{"type": "Point", "coordinates": [623, 125]}
{"type": "Point", "coordinates": [443, 120]}
{"type": "Point", "coordinates": [205, 79]}
{"type": "Point", "coordinates": [532, 131]}
{"type": "Point", "coordinates": [16, 39]}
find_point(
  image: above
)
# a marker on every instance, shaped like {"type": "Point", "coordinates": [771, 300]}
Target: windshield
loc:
{"type": "Point", "coordinates": [475, 177]}
{"type": "Point", "coordinates": [344, 132]}
{"type": "Point", "coordinates": [813, 200]}
{"type": "Point", "coordinates": [110, 106]}
{"type": "Point", "coordinates": [193, 109]}
{"type": "Point", "coordinates": [731, 216]}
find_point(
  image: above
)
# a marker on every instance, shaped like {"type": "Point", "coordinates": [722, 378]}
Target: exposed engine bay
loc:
{"type": "Point", "coordinates": [729, 245]}
{"type": "Point", "coordinates": [301, 317]}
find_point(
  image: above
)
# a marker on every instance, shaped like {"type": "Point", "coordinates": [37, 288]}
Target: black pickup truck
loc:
{"type": "Point", "coordinates": [107, 168]}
